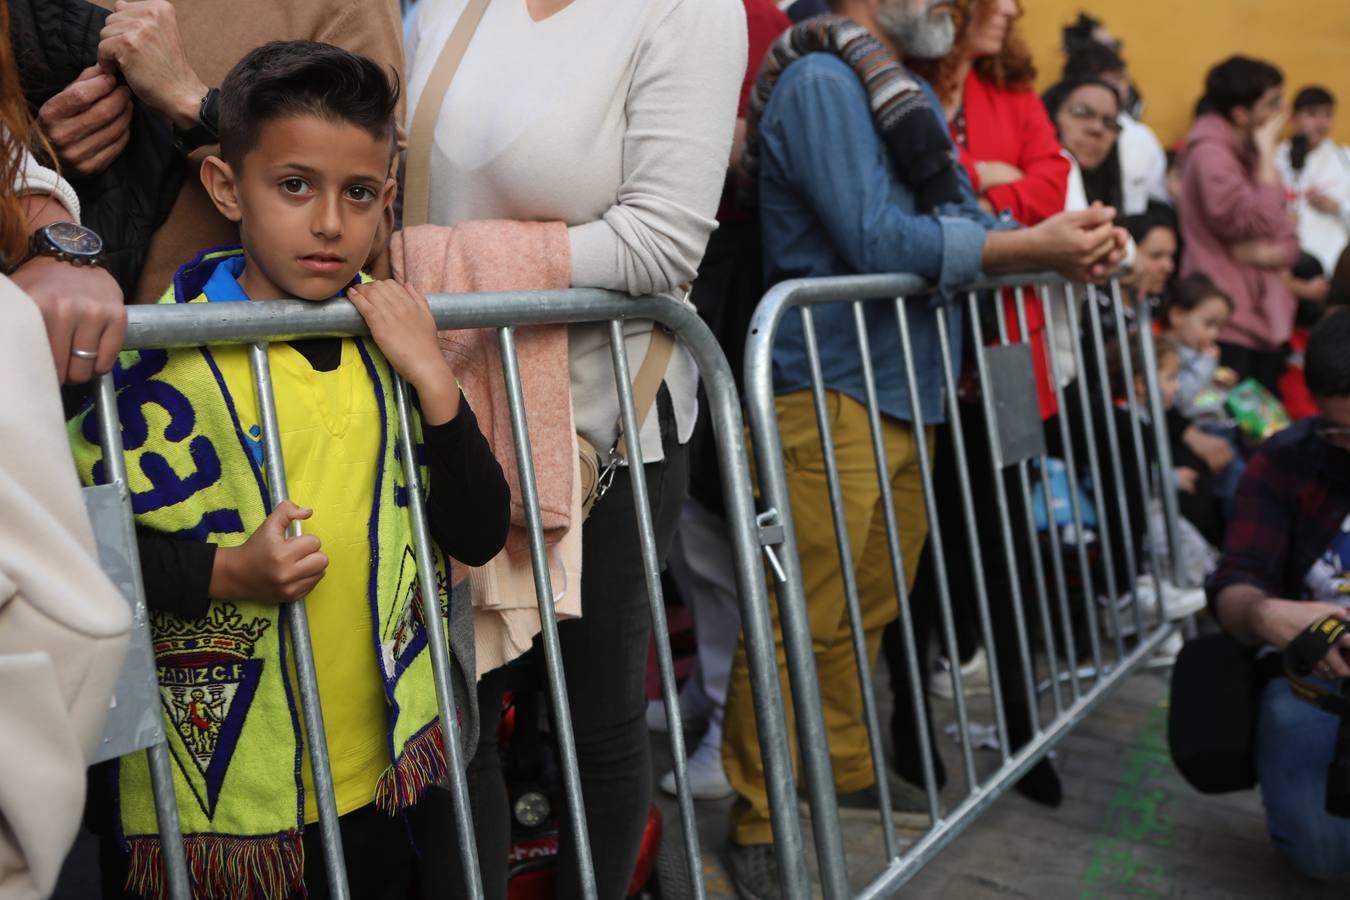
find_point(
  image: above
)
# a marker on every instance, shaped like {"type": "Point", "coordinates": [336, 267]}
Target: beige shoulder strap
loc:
{"type": "Point", "coordinates": [417, 177]}
{"type": "Point", "coordinates": [648, 380]}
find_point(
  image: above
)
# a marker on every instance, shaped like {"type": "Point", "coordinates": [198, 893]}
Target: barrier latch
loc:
{"type": "Point", "coordinates": [770, 536]}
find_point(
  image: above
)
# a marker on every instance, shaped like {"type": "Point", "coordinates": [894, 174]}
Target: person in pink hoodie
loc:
{"type": "Point", "coordinates": [1234, 223]}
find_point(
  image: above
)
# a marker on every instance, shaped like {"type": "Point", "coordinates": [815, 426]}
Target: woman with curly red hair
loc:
{"type": "Point", "coordinates": [1012, 154]}
{"type": "Point", "coordinates": [1006, 141]}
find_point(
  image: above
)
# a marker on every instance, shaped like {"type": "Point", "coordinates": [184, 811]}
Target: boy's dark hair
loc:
{"type": "Point", "coordinates": [1092, 60]}
{"type": "Point", "coordinates": [1238, 81]}
{"type": "Point", "coordinates": [1326, 364]}
{"type": "Point", "coordinates": [283, 79]}
{"type": "Point", "coordinates": [1188, 293]}
{"type": "Point", "coordinates": [1313, 96]}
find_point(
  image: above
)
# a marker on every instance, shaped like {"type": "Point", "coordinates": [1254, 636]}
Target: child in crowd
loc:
{"type": "Point", "coordinates": [307, 134]}
{"type": "Point", "coordinates": [1196, 311]}
{"type": "Point", "coordinates": [1190, 475]}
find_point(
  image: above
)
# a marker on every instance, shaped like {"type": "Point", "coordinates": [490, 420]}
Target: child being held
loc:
{"type": "Point", "coordinates": [1196, 311]}
{"type": "Point", "coordinates": [307, 135]}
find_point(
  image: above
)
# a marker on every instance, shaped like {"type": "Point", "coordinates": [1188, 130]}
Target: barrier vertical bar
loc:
{"type": "Point", "coordinates": [1023, 485]}
{"type": "Point", "coordinates": [1137, 437]}
{"type": "Point", "coordinates": [897, 566]}
{"type": "Point", "coordinates": [1004, 516]}
{"type": "Point", "coordinates": [1094, 469]}
{"type": "Point", "coordinates": [548, 617]}
{"type": "Point", "coordinates": [935, 543]}
{"type": "Point", "coordinates": [756, 622]}
{"type": "Point", "coordinates": [1056, 556]}
{"type": "Point", "coordinates": [1071, 476]}
{"type": "Point", "coordinates": [1167, 480]}
{"type": "Point", "coordinates": [972, 532]}
{"type": "Point", "coordinates": [849, 575]}
{"type": "Point", "coordinates": [1113, 447]}
{"type": "Point", "coordinates": [316, 738]}
{"type": "Point", "coordinates": [157, 755]}
{"type": "Point", "coordinates": [438, 647]}
{"type": "Point", "coordinates": [656, 602]}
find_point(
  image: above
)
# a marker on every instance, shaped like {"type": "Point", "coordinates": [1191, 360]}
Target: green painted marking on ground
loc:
{"type": "Point", "coordinates": [1138, 816]}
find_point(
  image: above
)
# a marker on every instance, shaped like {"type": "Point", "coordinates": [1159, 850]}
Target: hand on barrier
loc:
{"type": "Point", "coordinates": [270, 566]}
{"type": "Point", "coordinates": [1083, 245]}
{"type": "Point", "coordinates": [400, 322]}
{"type": "Point", "coordinates": [83, 310]}
{"type": "Point", "coordinates": [89, 122]}
{"type": "Point", "coordinates": [142, 40]}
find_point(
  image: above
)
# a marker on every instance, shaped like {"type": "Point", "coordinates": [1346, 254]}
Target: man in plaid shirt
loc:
{"type": "Point", "coordinates": [1286, 563]}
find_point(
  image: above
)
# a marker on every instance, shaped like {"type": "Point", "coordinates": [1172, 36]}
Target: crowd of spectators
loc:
{"type": "Point", "coordinates": [728, 146]}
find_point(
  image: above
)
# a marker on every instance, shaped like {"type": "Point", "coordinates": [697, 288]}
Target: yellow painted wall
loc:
{"type": "Point", "coordinates": [1170, 44]}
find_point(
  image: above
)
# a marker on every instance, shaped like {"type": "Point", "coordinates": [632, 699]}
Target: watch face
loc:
{"type": "Point", "coordinates": [73, 239]}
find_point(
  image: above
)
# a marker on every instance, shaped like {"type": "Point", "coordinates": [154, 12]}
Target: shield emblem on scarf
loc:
{"type": "Point", "coordinates": [208, 677]}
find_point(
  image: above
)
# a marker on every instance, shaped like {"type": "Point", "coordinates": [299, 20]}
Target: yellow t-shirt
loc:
{"type": "Point", "coordinates": [330, 440]}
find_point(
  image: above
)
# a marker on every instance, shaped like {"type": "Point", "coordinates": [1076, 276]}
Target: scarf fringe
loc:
{"type": "Point", "coordinates": [259, 868]}
{"type": "Point", "coordinates": [421, 765]}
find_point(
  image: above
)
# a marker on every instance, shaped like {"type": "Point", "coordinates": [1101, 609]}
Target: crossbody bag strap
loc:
{"type": "Point", "coordinates": [648, 380]}
{"type": "Point", "coordinates": [417, 177]}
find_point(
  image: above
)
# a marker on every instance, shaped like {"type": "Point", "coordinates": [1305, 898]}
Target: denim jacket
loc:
{"type": "Point", "coordinates": [831, 204]}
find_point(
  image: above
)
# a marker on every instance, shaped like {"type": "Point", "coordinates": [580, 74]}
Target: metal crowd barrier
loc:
{"type": "Point", "coordinates": [1051, 660]}
{"type": "Point", "coordinates": [136, 722]}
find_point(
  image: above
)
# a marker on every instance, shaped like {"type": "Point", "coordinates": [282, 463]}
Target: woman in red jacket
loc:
{"type": "Point", "coordinates": [1010, 150]}
{"type": "Point", "coordinates": [1006, 141]}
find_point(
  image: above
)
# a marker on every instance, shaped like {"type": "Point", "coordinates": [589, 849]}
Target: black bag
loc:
{"type": "Point", "coordinates": [1211, 726]}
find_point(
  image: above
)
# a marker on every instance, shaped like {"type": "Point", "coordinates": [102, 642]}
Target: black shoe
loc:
{"type": "Point", "coordinates": [1041, 785]}
{"type": "Point", "coordinates": [909, 803]}
{"type": "Point", "coordinates": [754, 871]}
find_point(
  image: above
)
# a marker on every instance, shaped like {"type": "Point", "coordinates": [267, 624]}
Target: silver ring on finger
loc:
{"type": "Point", "coordinates": [84, 354]}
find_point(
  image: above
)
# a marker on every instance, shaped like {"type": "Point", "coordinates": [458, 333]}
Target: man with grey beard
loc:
{"type": "Point", "coordinates": [855, 174]}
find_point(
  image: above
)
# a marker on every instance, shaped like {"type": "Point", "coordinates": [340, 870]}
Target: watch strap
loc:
{"type": "Point", "coordinates": [207, 129]}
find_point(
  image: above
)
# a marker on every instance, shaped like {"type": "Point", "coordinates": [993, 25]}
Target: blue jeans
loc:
{"type": "Point", "coordinates": [1294, 745]}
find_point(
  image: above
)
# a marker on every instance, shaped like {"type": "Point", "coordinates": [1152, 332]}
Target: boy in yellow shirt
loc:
{"type": "Point", "coordinates": [307, 137]}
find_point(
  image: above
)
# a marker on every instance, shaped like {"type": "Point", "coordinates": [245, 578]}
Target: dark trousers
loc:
{"type": "Point", "coordinates": [605, 662]}
{"type": "Point", "coordinates": [388, 857]}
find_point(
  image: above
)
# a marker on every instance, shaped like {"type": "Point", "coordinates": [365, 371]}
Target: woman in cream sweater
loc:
{"type": "Point", "coordinates": [615, 118]}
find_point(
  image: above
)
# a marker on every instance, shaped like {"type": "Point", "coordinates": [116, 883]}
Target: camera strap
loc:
{"type": "Point", "coordinates": [1302, 656]}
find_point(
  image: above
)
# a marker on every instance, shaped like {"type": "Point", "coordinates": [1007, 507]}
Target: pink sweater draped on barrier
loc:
{"type": "Point", "coordinates": [488, 256]}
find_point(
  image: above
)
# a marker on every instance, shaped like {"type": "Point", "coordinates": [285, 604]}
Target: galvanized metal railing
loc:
{"type": "Point", "coordinates": [258, 323]}
{"type": "Point", "coordinates": [1017, 438]}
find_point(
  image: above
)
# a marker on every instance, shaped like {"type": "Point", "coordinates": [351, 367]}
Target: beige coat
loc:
{"type": "Point", "coordinates": [216, 35]}
{"type": "Point", "coordinates": [63, 625]}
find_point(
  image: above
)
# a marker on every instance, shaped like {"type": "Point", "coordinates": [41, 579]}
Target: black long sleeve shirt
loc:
{"type": "Point", "coordinates": [468, 507]}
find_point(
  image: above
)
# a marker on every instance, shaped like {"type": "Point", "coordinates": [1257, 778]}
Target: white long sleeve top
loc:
{"type": "Point", "coordinates": [1327, 169]}
{"type": "Point", "coordinates": [613, 116]}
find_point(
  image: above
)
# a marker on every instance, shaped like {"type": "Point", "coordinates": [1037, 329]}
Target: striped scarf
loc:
{"type": "Point", "coordinates": [917, 142]}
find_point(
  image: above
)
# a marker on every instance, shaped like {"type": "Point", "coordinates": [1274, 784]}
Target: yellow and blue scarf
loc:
{"type": "Point", "coordinates": [230, 708]}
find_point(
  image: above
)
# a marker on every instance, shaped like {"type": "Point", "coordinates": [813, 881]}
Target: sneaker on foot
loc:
{"type": "Point", "coordinates": [974, 676]}
{"type": "Point", "coordinates": [707, 778]}
{"type": "Point", "coordinates": [754, 871]}
{"type": "Point", "coordinates": [1167, 651]}
{"type": "Point", "coordinates": [1181, 603]}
